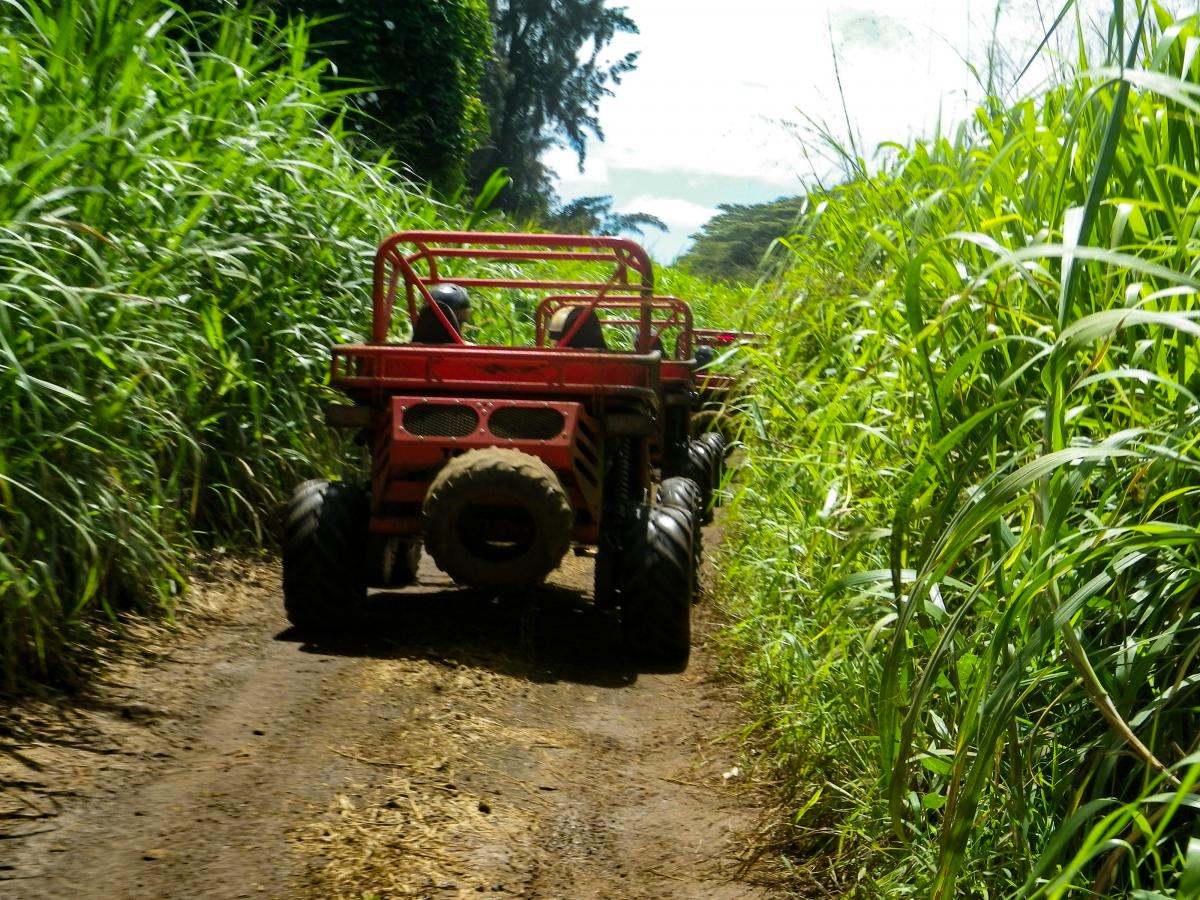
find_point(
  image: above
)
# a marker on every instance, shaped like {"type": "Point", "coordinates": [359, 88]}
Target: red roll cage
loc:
{"type": "Point", "coordinates": [629, 271]}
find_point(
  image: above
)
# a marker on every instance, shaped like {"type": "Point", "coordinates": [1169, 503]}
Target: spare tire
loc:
{"type": "Point", "coordinates": [497, 518]}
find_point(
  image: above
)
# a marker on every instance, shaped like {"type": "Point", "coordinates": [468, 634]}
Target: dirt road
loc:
{"type": "Point", "coordinates": [457, 745]}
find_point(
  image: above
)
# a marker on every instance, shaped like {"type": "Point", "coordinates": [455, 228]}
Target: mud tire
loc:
{"type": "Point", "coordinates": [683, 493]}
{"type": "Point", "coordinates": [495, 477]}
{"type": "Point", "coordinates": [392, 561]}
{"type": "Point", "coordinates": [325, 555]}
{"type": "Point", "coordinates": [717, 443]}
{"type": "Point", "coordinates": [719, 447]}
{"type": "Point", "coordinates": [657, 586]}
{"type": "Point", "coordinates": [700, 466]}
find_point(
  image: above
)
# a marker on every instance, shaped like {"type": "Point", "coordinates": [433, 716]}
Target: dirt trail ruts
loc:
{"type": "Point", "coordinates": [457, 745]}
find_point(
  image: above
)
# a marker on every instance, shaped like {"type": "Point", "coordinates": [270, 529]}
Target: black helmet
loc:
{"type": "Point", "coordinates": [705, 355]}
{"type": "Point", "coordinates": [450, 295]}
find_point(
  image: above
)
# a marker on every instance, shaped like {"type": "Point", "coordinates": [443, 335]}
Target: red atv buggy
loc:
{"type": "Point", "coordinates": [498, 459]}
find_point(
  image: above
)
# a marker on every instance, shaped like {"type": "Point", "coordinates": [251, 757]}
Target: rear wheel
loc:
{"type": "Point", "coordinates": [657, 585]}
{"type": "Point", "coordinates": [325, 554]}
{"type": "Point", "coordinates": [717, 443]}
{"type": "Point", "coordinates": [683, 493]}
{"type": "Point", "coordinates": [497, 518]}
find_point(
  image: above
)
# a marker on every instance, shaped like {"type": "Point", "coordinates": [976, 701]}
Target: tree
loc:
{"type": "Point", "coordinates": [594, 215]}
{"type": "Point", "coordinates": [414, 68]}
{"type": "Point", "coordinates": [543, 88]}
{"type": "Point", "coordinates": [733, 244]}
{"type": "Point", "coordinates": [423, 61]}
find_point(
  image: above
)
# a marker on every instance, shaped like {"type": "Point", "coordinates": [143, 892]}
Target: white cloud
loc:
{"type": "Point", "coordinates": [717, 83]}
{"type": "Point", "coordinates": [572, 182]}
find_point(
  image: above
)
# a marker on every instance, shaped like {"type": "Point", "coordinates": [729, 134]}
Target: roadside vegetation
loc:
{"type": "Point", "coordinates": [186, 226]}
{"type": "Point", "coordinates": [182, 234]}
{"type": "Point", "coordinates": [964, 548]}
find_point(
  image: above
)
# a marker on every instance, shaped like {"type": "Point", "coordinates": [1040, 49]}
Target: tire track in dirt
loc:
{"type": "Point", "coordinates": [457, 745]}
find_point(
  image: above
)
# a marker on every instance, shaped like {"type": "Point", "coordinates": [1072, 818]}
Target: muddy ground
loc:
{"type": "Point", "coordinates": [457, 745]}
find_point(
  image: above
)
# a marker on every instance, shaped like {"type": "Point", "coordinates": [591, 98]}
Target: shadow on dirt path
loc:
{"type": "Point", "coordinates": [547, 635]}
{"type": "Point", "coordinates": [456, 744]}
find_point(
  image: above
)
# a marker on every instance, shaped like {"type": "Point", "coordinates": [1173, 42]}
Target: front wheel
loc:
{"type": "Point", "coordinates": [657, 585]}
{"type": "Point", "coordinates": [700, 466]}
{"type": "Point", "coordinates": [325, 554]}
{"type": "Point", "coordinates": [392, 561]}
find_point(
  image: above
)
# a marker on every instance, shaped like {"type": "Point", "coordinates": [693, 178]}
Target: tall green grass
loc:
{"type": "Point", "coordinates": [967, 546]}
{"type": "Point", "coordinates": [182, 235]}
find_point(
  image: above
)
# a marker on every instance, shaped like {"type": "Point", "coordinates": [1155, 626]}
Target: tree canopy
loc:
{"type": "Point", "coordinates": [422, 62]}
{"type": "Point", "coordinates": [732, 244]}
{"type": "Point", "coordinates": [595, 215]}
{"type": "Point", "coordinates": [455, 90]}
{"type": "Point", "coordinates": [543, 89]}
{"type": "Point", "coordinates": [413, 70]}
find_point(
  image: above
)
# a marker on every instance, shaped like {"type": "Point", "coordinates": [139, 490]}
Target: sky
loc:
{"type": "Point", "coordinates": [722, 105]}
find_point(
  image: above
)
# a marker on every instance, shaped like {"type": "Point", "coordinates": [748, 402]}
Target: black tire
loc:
{"type": "Point", "coordinates": [325, 555]}
{"type": "Point", "coordinates": [657, 586]}
{"type": "Point", "coordinates": [605, 576]}
{"type": "Point", "coordinates": [497, 518]}
{"type": "Point", "coordinates": [715, 441]}
{"type": "Point", "coordinates": [700, 466]}
{"type": "Point", "coordinates": [680, 492]}
{"type": "Point", "coordinates": [392, 561]}
{"type": "Point", "coordinates": [683, 493]}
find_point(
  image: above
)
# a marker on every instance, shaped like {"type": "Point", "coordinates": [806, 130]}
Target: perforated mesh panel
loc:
{"type": "Point", "coordinates": [527, 422]}
{"type": "Point", "coordinates": [440, 420]}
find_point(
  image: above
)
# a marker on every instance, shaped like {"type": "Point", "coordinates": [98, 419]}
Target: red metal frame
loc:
{"type": "Point", "coordinates": [626, 260]}
{"type": "Point", "coordinates": [403, 459]}
{"type": "Point", "coordinates": [596, 391]}
{"type": "Point", "coordinates": [720, 337]}
{"type": "Point", "coordinates": [498, 371]}
{"type": "Point", "coordinates": [679, 316]}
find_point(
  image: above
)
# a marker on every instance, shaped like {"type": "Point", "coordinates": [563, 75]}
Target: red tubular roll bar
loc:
{"type": "Point", "coordinates": [678, 315]}
{"type": "Point", "coordinates": [631, 270]}
{"type": "Point", "coordinates": [721, 337]}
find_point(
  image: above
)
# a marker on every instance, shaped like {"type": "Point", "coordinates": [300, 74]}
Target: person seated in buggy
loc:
{"type": "Point", "coordinates": [455, 303]}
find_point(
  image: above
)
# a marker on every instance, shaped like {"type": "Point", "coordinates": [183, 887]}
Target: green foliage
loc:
{"type": "Point", "coordinates": [967, 546]}
{"type": "Point", "coordinates": [413, 72]}
{"type": "Point", "coordinates": [595, 215]}
{"type": "Point", "coordinates": [733, 245]}
{"type": "Point", "coordinates": [423, 61]}
{"type": "Point", "coordinates": [181, 239]}
{"type": "Point", "coordinates": [543, 88]}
